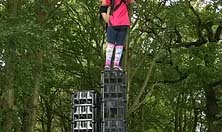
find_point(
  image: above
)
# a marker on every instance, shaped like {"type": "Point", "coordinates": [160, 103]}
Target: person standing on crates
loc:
{"type": "Point", "coordinates": [117, 18]}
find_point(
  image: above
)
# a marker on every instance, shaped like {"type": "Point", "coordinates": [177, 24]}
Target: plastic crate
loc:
{"type": "Point", "coordinates": [115, 109]}
{"type": "Point", "coordinates": [85, 126]}
{"type": "Point", "coordinates": [85, 111]}
{"type": "Point", "coordinates": [113, 77]}
{"type": "Point", "coordinates": [113, 91]}
{"type": "Point", "coordinates": [85, 97]}
{"type": "Point", "coordinates": [114, 126]}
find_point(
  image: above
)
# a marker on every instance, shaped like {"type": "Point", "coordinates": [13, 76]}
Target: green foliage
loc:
{"type": "Point", "coordinates": [171, 45]}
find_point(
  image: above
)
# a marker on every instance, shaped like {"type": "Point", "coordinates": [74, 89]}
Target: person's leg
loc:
{"type": "Point", "coordinates": [109, 54]}
{"type": "Point", "coordinates": [118, 55]}
{"type": "Point", "coordinates": [119, 48]}
{"type": "Point", "coordinates": [111, 37]}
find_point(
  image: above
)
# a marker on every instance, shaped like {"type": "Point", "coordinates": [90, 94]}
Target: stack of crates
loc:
{"type": "Point", "coordinates": [113, 101]}
{"type": "Point", "coordinates": [85, 111]}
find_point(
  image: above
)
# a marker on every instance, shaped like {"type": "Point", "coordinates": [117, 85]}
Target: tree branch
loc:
{"type": "Point", "coordinates": [196, 43]}
{"type": "Point", "coordinates": [218, 82]}
{"type": "Point", "coordinates": [210, 34]}
{"type": "Point", "coordinates": [218, 32]}
{"type": "Point", "coordinates": [179, 37]}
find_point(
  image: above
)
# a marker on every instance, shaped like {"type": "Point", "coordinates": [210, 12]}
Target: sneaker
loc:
{"type": "Point", "coordinates": [117, 68]}
{"type": "Point", "coordinates": [107, 68]}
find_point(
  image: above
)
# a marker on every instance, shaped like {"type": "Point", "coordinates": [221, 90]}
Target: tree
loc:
{"type": "Point", "coordinates": [49, 49]}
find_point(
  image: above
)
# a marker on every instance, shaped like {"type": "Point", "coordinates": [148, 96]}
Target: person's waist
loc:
{"type": "Point", "coordinates": [120, 27]}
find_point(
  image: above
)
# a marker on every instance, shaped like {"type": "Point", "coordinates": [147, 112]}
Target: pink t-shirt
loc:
{"type": "Point", "coordinates": [120, 16]}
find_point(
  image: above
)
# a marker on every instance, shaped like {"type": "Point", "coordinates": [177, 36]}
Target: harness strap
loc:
{"type": "Point", "coordinates": [112, 7]}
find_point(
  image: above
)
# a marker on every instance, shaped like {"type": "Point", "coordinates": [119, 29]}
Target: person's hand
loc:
{"type": "Point", "coordinates": [104, 3]}
{"type": "Point", "coordinates": [108, 10]}
{"type": "Point", "coordinates": [107, 15]}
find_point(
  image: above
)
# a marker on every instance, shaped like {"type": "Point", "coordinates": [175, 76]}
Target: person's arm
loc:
{"type": "Point", "coordinates": [105, 10]}
{"type": "Point", "coordinates": [106, 2]}
{"type": "Point", "coordinates": [105, 17]}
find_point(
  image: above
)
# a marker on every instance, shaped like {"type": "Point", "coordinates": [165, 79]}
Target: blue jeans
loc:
{"type": "Point", "coordinates": [117, 35]}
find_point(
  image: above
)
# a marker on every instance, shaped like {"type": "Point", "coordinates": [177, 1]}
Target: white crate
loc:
{"type": "Point", "coordinates": [83, 95]}
{"type": "Point", "coordinates": [83, 125]}
{"type": "Point", "coordinates": [83, 109]}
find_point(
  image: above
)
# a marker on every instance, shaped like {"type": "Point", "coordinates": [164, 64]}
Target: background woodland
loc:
{"type": "Point", "coordinates": [173, 60]}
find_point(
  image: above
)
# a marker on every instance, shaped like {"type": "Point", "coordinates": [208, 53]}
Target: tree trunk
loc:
{"type": "Point", "coordinates": [176, 116]}
{"type": "Point", "coordinates": [49, 115]}
{"type": "Point", "coordinates": [211, 109]}
{"type": "Point", "coordinates": [195, 112]}
{"type": "Point", "coordinates": [12, 10]}
{"type": "Point", "coordinates": [37, 77]}
{"type": "Point", "coordinates": [12, 7]}
{"type": "Point", "coordinates": [184, 120]}
{"type": "Point", "coordinates": [8, 95]}
{"type": "Point", "coordinates": [180, 120]}
{"type": "Point", "coordinates": [37, 69]}
{"type": "Point", "coordinates": [32, 101]}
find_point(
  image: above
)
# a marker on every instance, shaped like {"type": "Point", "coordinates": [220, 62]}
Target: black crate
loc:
{"type": "Point", "coordinates": [114, 126]}
{"type": "Point", "coordinates": [113, 91]}
{"type": "Point", "coordinates": [114, 109]}
{"type": "Point", "coordinates": [113, 77]}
